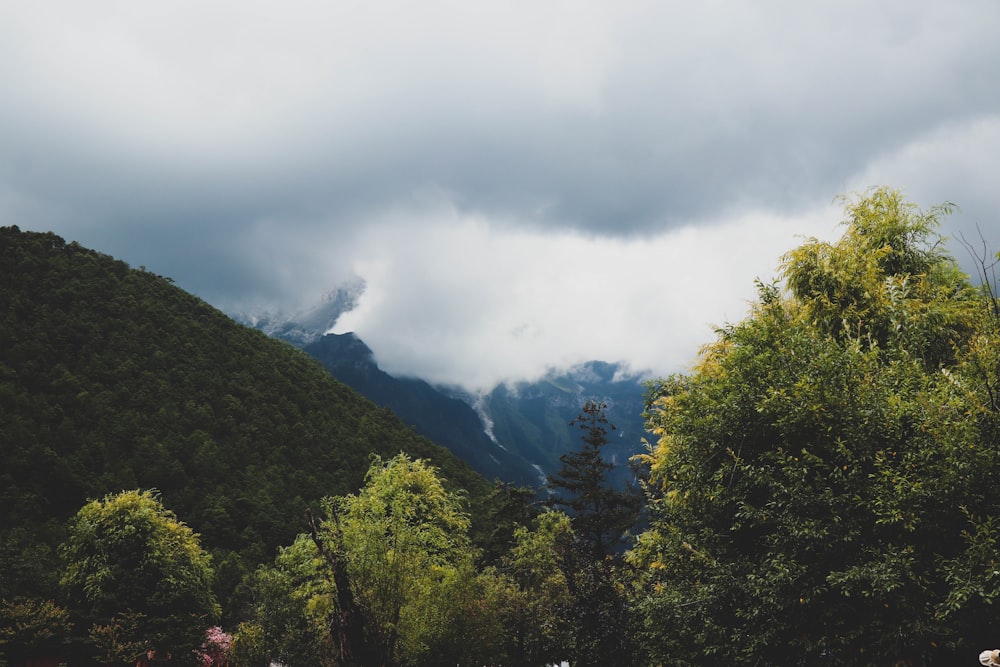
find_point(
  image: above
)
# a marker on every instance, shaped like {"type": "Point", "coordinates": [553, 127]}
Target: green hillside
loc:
{"type": "Point", "coordinates": [112, 378]}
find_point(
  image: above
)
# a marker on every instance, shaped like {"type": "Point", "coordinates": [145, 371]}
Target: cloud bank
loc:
{"type": "Point", "coordinates": [458, 300]}
{"type": "Point", "coordinates": [520, 184]}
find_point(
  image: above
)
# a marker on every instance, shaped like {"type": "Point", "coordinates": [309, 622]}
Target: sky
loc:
{"type": "Point", "coordinates": [521, 185]}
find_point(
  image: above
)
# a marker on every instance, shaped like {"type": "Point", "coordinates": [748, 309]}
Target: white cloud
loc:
{"type": "Point", "coordinates": [457, 300]}
{"type": "Point", "coordinates": [954, 161]}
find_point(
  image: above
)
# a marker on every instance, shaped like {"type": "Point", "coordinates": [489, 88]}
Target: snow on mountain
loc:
{"type": "Point", "coordinates": [308, 325]}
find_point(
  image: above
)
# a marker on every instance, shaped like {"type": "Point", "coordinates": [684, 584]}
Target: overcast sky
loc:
{"type": "Point", "coordinates": [521, 184]}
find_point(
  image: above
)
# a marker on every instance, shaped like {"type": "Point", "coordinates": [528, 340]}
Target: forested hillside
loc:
{"type": "Point", "coordinates": [112, 378]}
{"type": "Point", "coordinates": [819, 490]}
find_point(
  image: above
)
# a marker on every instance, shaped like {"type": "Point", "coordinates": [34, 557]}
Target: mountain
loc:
{"type": "Point", "coordinates": [446, 420]}
{"type": "Point", "coordinates": [113, 378]}
{"type": "Point", "coordinates": [516, 432]}
{"type": "Point", "coordinates": [531, 419]}
{"type": "Point", "coordinates": [309, 325]}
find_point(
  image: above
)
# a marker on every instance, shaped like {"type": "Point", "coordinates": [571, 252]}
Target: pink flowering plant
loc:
{"type": "Point", "coordinates": [214, 650]}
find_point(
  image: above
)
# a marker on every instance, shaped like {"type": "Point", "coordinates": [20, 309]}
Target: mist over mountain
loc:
{"type": "Point", "coordinates": [515, 431]}
{"type": "Point", "coordinates": [532, 419]}
{"type": "Point", "coordinates": [306, 326]}
{"type": "Point", "coordinates": [446, 420]}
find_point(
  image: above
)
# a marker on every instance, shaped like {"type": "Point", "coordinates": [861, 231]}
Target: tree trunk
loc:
{"type": "Point", "coordinates": [350, 626]}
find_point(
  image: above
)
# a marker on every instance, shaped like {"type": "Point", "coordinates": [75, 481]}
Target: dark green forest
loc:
{"type": "Point", "coordinates": [177, 488]}
{"type": "Point", "coordinates": [112, 378]}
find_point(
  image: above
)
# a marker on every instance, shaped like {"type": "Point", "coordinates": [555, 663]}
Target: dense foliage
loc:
{"type": "Point", "coordinates": [30, 627]}
{"type": "Point", "coordinates": [138, 579]}
{"type": "Point", "coordinates": [820, 490]}
{"type": "Point", "coordinates": [112, 378]}
{"type": "Point", "coordinates": [389, 577]}
{"type": "Point", "coordinates": [822, 482]}
{"type": "Point", "coordinates": [404, 540]}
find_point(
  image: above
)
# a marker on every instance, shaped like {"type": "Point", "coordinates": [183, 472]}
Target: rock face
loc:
{"type": "Point", "coordinates": [515, 432]}
{"type": "Point", "coordinates": [309, 325]}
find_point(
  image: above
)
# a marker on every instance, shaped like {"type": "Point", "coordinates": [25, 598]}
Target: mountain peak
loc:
{"type": "Point", "coordinates": [347, 346]}
{"type": "Point", "coordinates": [309, 325]}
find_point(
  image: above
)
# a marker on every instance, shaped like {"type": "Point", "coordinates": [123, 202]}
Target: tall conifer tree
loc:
{"type": "Point", "coordinates": [600, 514]}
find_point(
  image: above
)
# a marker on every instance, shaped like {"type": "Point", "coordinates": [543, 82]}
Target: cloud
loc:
{"type": "Point", "coordinates": [459, 299]}
{"type": "Point", "coordinates": [261, 152]}
{"type": "Point", "coordinates": [954, 162]}
{"type": "Point", "coordinates": [610, 117]}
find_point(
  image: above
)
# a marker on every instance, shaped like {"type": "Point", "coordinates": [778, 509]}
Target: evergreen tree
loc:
{"type": "Point", "coordinates": [600, 514]}
{"type": "Point", "coordinates": [602, 626]}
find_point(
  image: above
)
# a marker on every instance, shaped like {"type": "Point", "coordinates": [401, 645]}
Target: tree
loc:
{"type": "Point", "coordinates": [818, 486]}
{"type": "Point", "coordinates": [139, 578]}
{"type": "Point", "coordinates": [386, 577]}
{"type": "Point", "coordinates": [401, 563]}
{"type": "Point", "coordinates": [399, 534]}
{"type": "Point", "coordinates": [600, 515]}
{"type": "Point", "coordinates": [289, 616]}
{"type": "Point", "coordinates": [508, 508]}
{"type": "Point", "coordinates": [603, 617]}
{"type": "Point", "coordinates": [538, 608]}
{"type": "Point", "coordinates": [29, 626]}
{"type": "Point", "coordinates": [215, 650]}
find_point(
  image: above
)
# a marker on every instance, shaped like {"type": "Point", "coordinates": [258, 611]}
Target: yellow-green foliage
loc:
{"type": "Point", "coordinates": [821, 483]}
{"type": "Point", "coordinates": [138, 576]}
{"type": "Point", "coordinates": [404, 537]}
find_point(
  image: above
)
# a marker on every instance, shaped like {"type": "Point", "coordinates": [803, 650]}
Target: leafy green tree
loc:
{"type": "Point", "coordinates": [138, 578]}
{"type": "Point", "coordinates": [29, 626]}
{"type": "Point", "coordinates": [29, 564]}
{"type": "Point", "coordinates": [462, 612]}
{"type": "Point", "coordinates": [397, 583]}
{"type": "Point", "coordinates": [402, 533]}
{"type": "Point", "coordinates": [603, 619]}
{"type": "Point", "coordinates": [600, 514]}
{"type": "Point", "coordinates": [292, 604]}
{"type": "Point", "coordinates": [507, 509]}
{"type": "Point", "coordinates": [538, 604]}
{"type": "Point", "coordinates": [121, 639]}
{"type": "Point", "coordinates": [820, 486]}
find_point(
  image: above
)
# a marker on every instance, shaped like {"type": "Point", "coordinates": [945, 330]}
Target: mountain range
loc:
{"type": "Point", "coordinates": [515, 432]}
